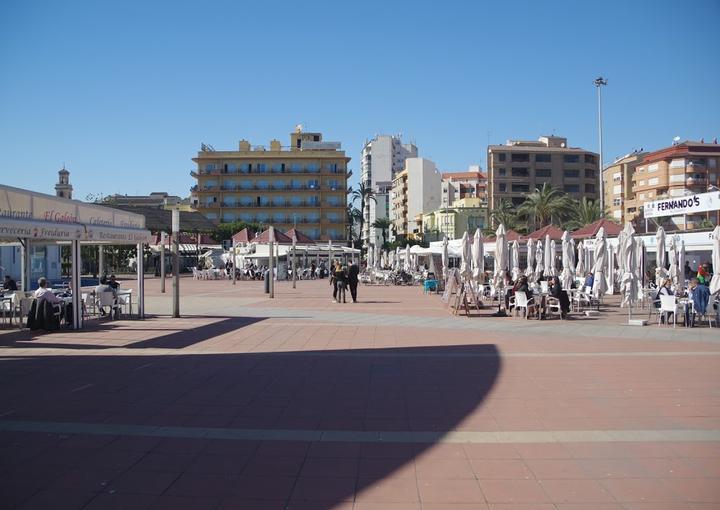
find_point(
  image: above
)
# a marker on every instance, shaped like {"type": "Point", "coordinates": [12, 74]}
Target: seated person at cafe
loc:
{"type": "Point", "coordinates": [43, 313]}
{"type": "Point", "coordinates": [699, 296]}
{"type": "Point", "coordinates": [113, 283]}
{"type": "Point", "coordinates": [44, 293]}
{"type": "Point", "coordinates": [9, 284]}
{"type": "Point", "coordinates": [555, 290]}
{"type": "Point", "coordinates": [589, 280]}
{"type": "Point", "coordinates": [521, 285]}
{"type": "Point", "coordinates": [105, 287]}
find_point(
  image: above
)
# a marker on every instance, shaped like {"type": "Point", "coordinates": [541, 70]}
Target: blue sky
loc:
{"type": "Point", "coordinates": [124, 92]}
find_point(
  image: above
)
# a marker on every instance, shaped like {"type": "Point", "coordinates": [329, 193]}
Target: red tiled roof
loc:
{"type": "Point", "coordinates": [551, 230]}
{"type": "Point", "coordinates": [301, 238]}
{"type": "Point", "coordinates": [612, 229]}
{"type": "Point", "coordinates": [264, 238]}
{"type": "Point", "coordinates": [244, 236]}
{"type": "Point", "coordinates": [510, 236]}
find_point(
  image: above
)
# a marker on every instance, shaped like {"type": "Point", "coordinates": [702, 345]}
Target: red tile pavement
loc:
{"type": "Point", "coordinates": [302, 363]}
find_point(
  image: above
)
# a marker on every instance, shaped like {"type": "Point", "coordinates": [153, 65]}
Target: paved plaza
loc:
{"type": "Point", "coordinates": [391, 403]}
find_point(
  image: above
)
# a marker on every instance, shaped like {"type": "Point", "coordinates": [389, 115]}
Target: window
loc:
{"type": "Point", "coordinates": [653, 181]}
{"type": "Point", "coordinates": [589, 173]}
{"type": "Point", "coordinates": [501, 156]}
{"type": "Point", "coordinates": [572, 173]}
{"type": "Point", "coordinates": [209, 167]}
{"type": "Point", "coordinates": [617, 201]}
{"type": "Point", "coordinates": [589, 158]}
{"type": "Point", "coordinates": [244, 168]}
{"type": "Point", "coordinates": [231, 167]}
{"type": "Point", "coordinates": [677, 163]}
{"type": "Point", "coordinates": [520, 188]}
{"type": "Point", "coordinates": [312, 167]}
{"type": "Point", "coordinates": [502, 172]}
{"type": "Point", "coordinates": [502, 186]}
{"type": "Point", "coordinates": [571, 188]}
{"type": "Point", "coordinates": [519, 172]}
{"type": "Point", "coordinates": [277, 168]}
{"type": "Point", "coordinates": [295, 167]}
{"type": "Point", "coordinates": [262, 168]}
{"type": "Point", "coordinates": [654, 167]}
{"type": "Point", "coordinates": [542, 158]}
{"type": "Point", "coordinates": [520, 158]}
{"type": "Point", "coordinates": [543, 172]}
{"type": "Point", "coordinates": [571, 158]}
{"type": "Point", "coordinates": [589, 188]}
{"type": "Point", "coordinates": [617, 190]}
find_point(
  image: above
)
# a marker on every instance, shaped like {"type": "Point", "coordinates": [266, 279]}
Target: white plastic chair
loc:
{"type": "Point", "coordinates": [669, 304]}
{"type": "Point", "coordinates": [552, 305]}
{"type": "Point", "coordinates": [107, 299]}
{"type": "Point", "coordinates": [522, 302]}
{"type": "Point", "coordinates": [125, 300]}
{"type": "Point", "coordinates": [709, 313]}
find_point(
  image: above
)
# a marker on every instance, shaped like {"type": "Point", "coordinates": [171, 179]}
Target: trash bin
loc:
{"type": "Point", "coordinates": [266, 277]}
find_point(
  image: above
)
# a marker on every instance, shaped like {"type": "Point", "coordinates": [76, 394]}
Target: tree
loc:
{"type": "Point", "coordinates": [546, 205]}
{"type": "Point", "coordinates": [225, 231]}
{"type": "Point", "coordinates": [583, 213]}
{"type": "Point", "coordinates": [364, 193]}
{"type": "Point", "coordinates": [383, 224]}
{"type": "Point", "coordinates": [353, 217]}
{"type": "Point", "coordinates": [506, 214]}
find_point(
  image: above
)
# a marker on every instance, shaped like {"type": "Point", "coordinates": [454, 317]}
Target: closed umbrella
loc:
{"type": "Point", "coordinates": [530, 270]}
{"type": "Point", "coordinates": [580, 268]}
{"type": "Point", "coordinates": [396, 266]}
{"type": "Point", "coordinates": [501, 259]}
{"type": "Point", "coordinates": [515, 260]}
{"type": "Point", "coordinates": [640, 268]}
{"type": "Point", "coordinates": [672, 260]}
{"type": "Point", "coordinates": [553, 251]}
{"type": "Point", "coordinates": [628, 279]}
{"type": "Point", "coordinates": [568, 261]}
{"type": "Point", "coordinates": [715, 282]}
{"type": "Point", "coordinates": [465, 257]}
{"type": "Point", "coordinates": [478, 260]}
{"type": "Point", "coordinates": [661, 273]}
{"type": "Point", "coordinates": [610, 273]}
{"type": "Point", "coordinates": [539, 259]}
{"type": "Point", "coordinates": [681, 264]}
{"type": "Point", "coordinates": [600, 266]}
{"type": "Point", "coordinates": [378, 256]}
{"type": "Point", "coordinates": [549, 262]}
{"type": "Point", "coordinates": [391, 260]}
{"type": "Point", "coordinates": [370, 257]}
{"type": "Point", "coordinates": [330, 254]}
{"type": "Point", "coordinates": [408, 266]}
{"type": "Point", "coordinates": [384, 262]}
{"type": "Point", "coordinates": [445, 257]}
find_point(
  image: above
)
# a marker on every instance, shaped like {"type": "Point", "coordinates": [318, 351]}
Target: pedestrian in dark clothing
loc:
{"type": "Point", "coordinates": [9, 284]}
{"type": "Point", "coordinates": [339, 279]}
{"type": "Point", "coordinates": [555, 290]}
{"type": "Point", "coordinates": [353, 273]}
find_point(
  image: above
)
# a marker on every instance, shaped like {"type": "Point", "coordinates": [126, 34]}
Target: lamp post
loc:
{"type": "Point", "coordinates": [599, 83]}
{"type": "Point", "coordinates": [176, 262]}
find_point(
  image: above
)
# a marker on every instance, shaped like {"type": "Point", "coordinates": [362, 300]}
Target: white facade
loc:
{"type": "Point", "coordinates": [382, 158]}
{"type": "Point", "coordinates": [424, 184]}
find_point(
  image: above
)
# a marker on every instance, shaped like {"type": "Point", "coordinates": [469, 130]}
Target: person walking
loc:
{"type": "Point", "coordinates": [352, 279]}
{"type": "Point", "coordinates": [340, 277]}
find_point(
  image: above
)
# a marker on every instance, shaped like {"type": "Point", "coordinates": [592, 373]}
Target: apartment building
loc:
{"type": "Point", "coordinates": [460, 185]}
{"type": "Point", "coordinates": [303, 185]}
{"type": "Point", "coordinates": [382, 159]}
{"type": "Point", "coordinates": [617, 184]}
{"type": "Point", "coordinates": [415, 190]}
{"type": "Point", "coordinates": [685, 168]}
{"type": "Point", "coordinates": [463, 215]}
{"type": "Point", "coordinates": [518, 167]}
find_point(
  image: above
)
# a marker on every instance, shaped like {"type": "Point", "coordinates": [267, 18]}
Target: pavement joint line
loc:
{"type": "Point", "coordinates": [364, 436]}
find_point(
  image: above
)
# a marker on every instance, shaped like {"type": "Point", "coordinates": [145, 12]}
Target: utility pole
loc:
{"type": "Point", "coordinates": [176, 262]}
{"type": "Point", "coordinates": [599, 83]}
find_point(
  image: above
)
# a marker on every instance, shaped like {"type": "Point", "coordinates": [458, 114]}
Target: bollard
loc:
{"type": "Point", "coordinates": [266, 278]}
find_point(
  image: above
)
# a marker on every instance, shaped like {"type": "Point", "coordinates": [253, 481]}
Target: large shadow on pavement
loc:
{"type": "Point", "coordinates": [293, 429]}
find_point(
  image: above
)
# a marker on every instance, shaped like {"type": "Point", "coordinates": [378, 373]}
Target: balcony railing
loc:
{"type": "Point", "coordinates": [286, 171]}
{"type": "Point", "coordinates": [285, 204]}
{"type": "Point", "coordinates": [255, 187]}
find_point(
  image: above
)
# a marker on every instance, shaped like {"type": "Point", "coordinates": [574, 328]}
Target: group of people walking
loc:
{"type": "Point", "coordinates": [342, 277]}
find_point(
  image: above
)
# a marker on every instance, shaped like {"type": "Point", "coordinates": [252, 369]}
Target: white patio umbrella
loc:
{"type": "Point", "coordinates": [681, 264]}
{"type": "Point", "coordinates": [378, 257]}
{"type": "Point", "coordinates": [549, 262]}
{"type": "Point", "coordinates": [445, 257]}
{"type": "Point", "coordinates": [539, 259]}
{"type": "Point", "coordinates": [391, 260]}
{"type": "Point", "coordinates": [580, 268]}
{"type": "Point", "coordinates": [620, 249]}
{"type": "Point", "coordinates": [465, 257]}
{"type": "Point", "coordinates": [370, 257]}
{"type": "Point", "coordinates": [641, 256]}
{"type": "Point", "coordinates": [715, 282]}
{"type": "Point", "coordinates": [515, 260]}
{"type": "Point", "coordinates": [501, 258]}
{"type": "Point", "coordinates": [330, 254]}
{"type": "Point", "coordinates": [661, 274]}
{"type": "Point", "coordinates": [530, 270]}
{"type": "Point", "coordinates": [628, 279]}
{"type": "Point", "coordinates": [672, 260]}
{"type": "Point", "coordinates": [610, 272]}
{"type": "Point", "coordinates": [478, 260]}
{"type": "Point", "coordinates": [600, 266]}
{"type": "Point", "coordinates": [408, 266]}
{"type": "Point", "coordinates": [397, 266]}
{"type": "Point", "coordinates": [385, 261]}
{"type": "Point", "coordinates": [568, 261]}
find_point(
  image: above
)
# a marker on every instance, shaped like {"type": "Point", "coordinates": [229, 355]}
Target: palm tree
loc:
{"type": "Point", "coordinates": [364, 193]}
{"type": "Point", "coordinates": [583, 213]}
{"type": "Point", "coordinates": [506, 214]}
{"type": "Point", "coordinates": [383, 224]}
{"type": "Point", "coordinates": [546, 205]}
{"type": "Point", "coordinates": [353, 217]}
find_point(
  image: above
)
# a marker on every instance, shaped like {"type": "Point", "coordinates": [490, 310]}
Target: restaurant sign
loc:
{"type": "Point", "coordinates": [691, 204]}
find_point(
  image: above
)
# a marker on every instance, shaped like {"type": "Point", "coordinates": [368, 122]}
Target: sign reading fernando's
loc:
{"type": "Point", "coordinates": [691, 204]}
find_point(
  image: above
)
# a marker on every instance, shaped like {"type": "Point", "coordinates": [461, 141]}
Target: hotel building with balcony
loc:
{"type": "Point", "coordinates": [519, 167]}
{"type": "Point", "coordinates": [685, 168]}
{"type": "Point", "coordinates": [302, 185]}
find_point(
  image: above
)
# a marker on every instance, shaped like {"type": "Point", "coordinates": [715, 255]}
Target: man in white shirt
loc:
{"type": "Point", "coordinates": [44, 293]}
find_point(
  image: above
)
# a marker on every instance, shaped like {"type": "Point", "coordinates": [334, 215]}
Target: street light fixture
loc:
{"type": "Point", "coordinates": [599, 83]}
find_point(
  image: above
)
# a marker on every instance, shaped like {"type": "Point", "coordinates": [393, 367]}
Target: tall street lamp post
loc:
{"type": "Point", "coordinates": [599, 83]}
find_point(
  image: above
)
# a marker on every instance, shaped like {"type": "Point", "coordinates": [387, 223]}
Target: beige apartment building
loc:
{"type": "Point", "coordinates": [617, 184]}
{"type": "Point", "coordinates": [459, 185]}
{"type": "Point", "coordinates": [685, 168]}
{"type": "Point", "coordinates": [415, 190]}
{"type": "Point", "coordinates": [303, 185]}
{"type": "Point", "coordinates": [518, 167]}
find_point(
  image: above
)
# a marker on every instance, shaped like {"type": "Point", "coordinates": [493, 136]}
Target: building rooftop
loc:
{"type": "Point", "coordinates": [612, 229]}
{"type": "Point", "coordinates": [463, 175]}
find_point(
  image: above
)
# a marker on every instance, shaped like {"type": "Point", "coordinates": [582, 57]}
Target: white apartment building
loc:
{"type": "Point", "coordinates": [416, 190]}
{"type": "Point", "coordinates": [382, 159]}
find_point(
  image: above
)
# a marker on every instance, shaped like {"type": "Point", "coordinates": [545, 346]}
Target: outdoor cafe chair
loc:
{"type": "Point", "coordinates": [521, 302]}
{"type": "Point", "coordinates": [125, 300]}
{"type": "Point", "coordinates": [710, 313]}
{"type": "Point", "coordinates": [669, 304]}
{"type": "Point", "coordinates": [107, 299]}
{"type": "Point", "coordinates": [552, 305]}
